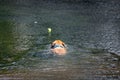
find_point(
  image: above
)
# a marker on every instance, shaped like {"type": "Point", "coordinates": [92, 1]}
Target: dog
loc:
{"type": "Point", "coordinates": [58, 47]}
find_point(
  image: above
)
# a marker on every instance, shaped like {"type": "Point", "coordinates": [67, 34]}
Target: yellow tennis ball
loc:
{"type": "Point", "coordinates": [49, 30]}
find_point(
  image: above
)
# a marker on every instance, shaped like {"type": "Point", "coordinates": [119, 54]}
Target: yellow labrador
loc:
{"type": "Point", "coordinates": [58, 47]}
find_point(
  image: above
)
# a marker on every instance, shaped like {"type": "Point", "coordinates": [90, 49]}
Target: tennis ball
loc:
{"type": "Point", "coordinates": [49, 30]}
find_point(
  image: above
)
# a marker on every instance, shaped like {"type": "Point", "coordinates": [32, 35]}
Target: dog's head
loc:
{"type": "Point", "coordinates": [58, 43]}
{"type": "Point", "coordinates": [58, 47]}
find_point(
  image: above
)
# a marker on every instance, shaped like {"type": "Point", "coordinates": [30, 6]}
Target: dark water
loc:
{"type": "Point", "coordinates": [89, 28]}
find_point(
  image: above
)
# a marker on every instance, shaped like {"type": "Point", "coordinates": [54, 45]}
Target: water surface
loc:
{"type": "Point", "coordinates": [89, 28]}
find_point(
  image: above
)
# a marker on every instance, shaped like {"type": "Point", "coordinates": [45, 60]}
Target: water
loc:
{"type": "Point", "coordinates": [89, 28]}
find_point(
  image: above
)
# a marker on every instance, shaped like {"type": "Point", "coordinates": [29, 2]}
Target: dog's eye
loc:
{"type": "Point", "coordinates": [63, 45]}
{"type": "Point", "coordinates": [52, 45]}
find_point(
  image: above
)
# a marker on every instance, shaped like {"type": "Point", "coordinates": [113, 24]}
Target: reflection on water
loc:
{"type": "Point", "coordinates": [75, 65]}
{"type": "Point", "coordinates": [90, 29]}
